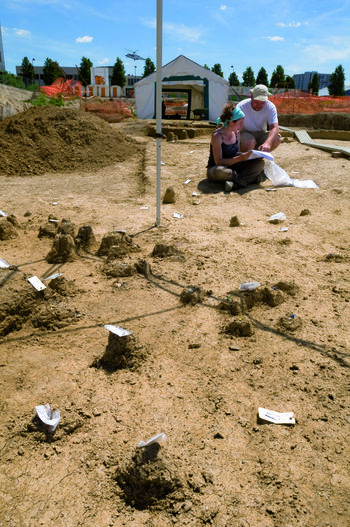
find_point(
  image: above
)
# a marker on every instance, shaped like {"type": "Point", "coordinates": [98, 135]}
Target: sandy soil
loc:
{"type": "Point", "coordinates": [204, 356]}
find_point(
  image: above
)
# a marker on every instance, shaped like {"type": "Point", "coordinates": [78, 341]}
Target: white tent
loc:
{"type": "Point", "coordinates": [206, 89]}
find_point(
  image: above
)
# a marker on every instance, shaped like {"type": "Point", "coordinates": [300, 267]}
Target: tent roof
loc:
{"type": "Point", "coordinates": [182, 66]}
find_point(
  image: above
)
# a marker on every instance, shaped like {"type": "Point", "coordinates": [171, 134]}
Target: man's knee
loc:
{"type": "Point", "coordinates": [247, 142]}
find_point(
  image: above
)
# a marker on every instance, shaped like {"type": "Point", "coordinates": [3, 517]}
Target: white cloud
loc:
{"type": "Point", "coordinates": [152, 23]}
{"type": "Point", "coordinates": [183, 32]}
{"type": "Point", "coordinates": [330, 53]}
{"type": "Point", "coordinates": [21, 32]}
{"type": "Point", "coordinates": [275, 39]}
{"type": "Point", "coordinates": [223, 7]}
{"type": "Point", "coordinates": [290, 24]}
{"type": "Point", "coordinates": [104, 61]}
{"type": "Point", "coordinates": [84, 40]}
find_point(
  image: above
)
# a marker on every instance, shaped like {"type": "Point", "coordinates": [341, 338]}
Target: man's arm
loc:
{"type": "Point", "coordinates": [273, 139]}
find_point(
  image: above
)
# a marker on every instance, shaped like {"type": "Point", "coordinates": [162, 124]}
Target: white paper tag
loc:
{"type": "Point", "coordinates": [36, 283]}
{"type": "Point", "coordinates": [187, 181]}
{"type": "Point", "coordinates": [117, 330]}
{"type": "Point", "coordinates": [3, 264]}
{"type": "Point", "coordinates": [280, 216]}
{"type": "Point", "coordinates": [195, 193]}
{"type": "Point", "coordinates": [154, 439]}
{"type": "Point", "coordinates": [2, 213]}
{"type": "Point", "coordinates": [48, 417]}
{"type": "Point", "coordinates": [52, 276]}
{"type": "Point", "coordinates": [278, 418]}
{"type": "Point", "coordinates": [249, 286]}
{"type": "Point", "coordinates": [178, 215]}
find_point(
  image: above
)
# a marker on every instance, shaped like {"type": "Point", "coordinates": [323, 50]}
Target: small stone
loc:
{"type": "Point", "coordinates": [234, 222]}
{"type": "Point", "coordinates": [169, 196]}
{"type": "Point", "coordinates": [305, 212]}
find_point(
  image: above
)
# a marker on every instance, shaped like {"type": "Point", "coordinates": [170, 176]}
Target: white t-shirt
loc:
{"type": "Point", "coordinates": [257, 121]}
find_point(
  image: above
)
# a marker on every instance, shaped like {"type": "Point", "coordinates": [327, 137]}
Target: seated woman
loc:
{"type": "Point", "coordinates": [225, 162]}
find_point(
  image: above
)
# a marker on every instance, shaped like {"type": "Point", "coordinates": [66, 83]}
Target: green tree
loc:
{"type": "Point", "coordinates": [206, 67]}
{"type": "Point", "coordinates": [85, 71]}
{"type": "Point", "coordinates": [149, 68]}
{"type": "Point", "coordinates": [118, 74]}
{"type": "Point", "coordinates": [217, 69]}
{"type": "Point", "coordinates": [262, 77]}
{"type": "Point", "coordinates": [248, 77]}
{"type": "Point", "coordinates": [12, 80]}
{"type": "Point", "coordinates": [290, 83]}
{"type": "Point", "coordinates": [233, 79]}
{"type": "Point", "coordinates": [314, 84]}
{"type": "Point", "coordinates": [277, 78]}
{"type": "Point", "coordinates": [51, 72]}
{"type": "Point", "coordinates": [336, 84]}
{"type": "Point", "coordinates": [27, 71]}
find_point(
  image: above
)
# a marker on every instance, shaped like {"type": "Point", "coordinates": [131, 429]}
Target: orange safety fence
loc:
{"type": "Point", "coordinates": [111, 111]}
{"type": "Point", "coordinates": [66, 88]}
{"type": "Point", "coordinates": [304, 103]}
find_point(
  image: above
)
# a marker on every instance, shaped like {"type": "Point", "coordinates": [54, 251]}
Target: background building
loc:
{"type": "Point", "coordinates": [2, 56]}
{"type": "Point", "coordinates": [103, 75]}
{"type": "Point", "coordinates": [302, 80]}
{"type": "Point", "coordinates": [71, 73]}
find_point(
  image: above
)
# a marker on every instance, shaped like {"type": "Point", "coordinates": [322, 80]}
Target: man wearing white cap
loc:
{"type": "Point", "coordinates": [260, 129]}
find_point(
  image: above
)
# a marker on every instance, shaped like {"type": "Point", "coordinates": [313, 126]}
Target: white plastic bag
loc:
{"type": "Point", "coordinates": [276, 174]}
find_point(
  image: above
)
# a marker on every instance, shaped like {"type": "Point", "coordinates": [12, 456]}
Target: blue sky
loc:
{"type": "Point", "coordinates": [300, 35]}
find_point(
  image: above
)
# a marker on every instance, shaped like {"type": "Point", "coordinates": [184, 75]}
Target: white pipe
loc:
{"type": "Point", "coordinates": [159, 101]}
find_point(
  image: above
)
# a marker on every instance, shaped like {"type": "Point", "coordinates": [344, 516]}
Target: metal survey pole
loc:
{"type": "Point", "coordinates": [159, 101]}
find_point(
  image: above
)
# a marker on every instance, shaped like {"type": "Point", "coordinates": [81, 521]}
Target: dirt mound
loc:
{"type": "Point", "coordinates": [122, 353]}
{"type": "Point", "coordinates": [150, 479]}
{"type": "Point", "coordinates": [22, 304]}
{"type": "Point", "coordinates": [7, 229]}
{"type": "Point", "coordinates": [51, 139]}
{"type": "Point", "coordinates": [116, 245]}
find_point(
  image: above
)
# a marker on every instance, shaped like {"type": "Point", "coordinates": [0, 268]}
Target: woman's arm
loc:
{"type": "Point", "coordinates": [217, 152]}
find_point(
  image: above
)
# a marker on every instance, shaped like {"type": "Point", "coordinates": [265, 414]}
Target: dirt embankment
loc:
{"type": "Point", "coordinates": [324, 121]}
{"type": "Point", "coordinates": [13, 100]}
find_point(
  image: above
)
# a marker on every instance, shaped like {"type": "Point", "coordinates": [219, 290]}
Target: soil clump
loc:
{"type": "Point", "coordinates": [122, 353]}
{"type": "Point", "coordinates": [149, 479]}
